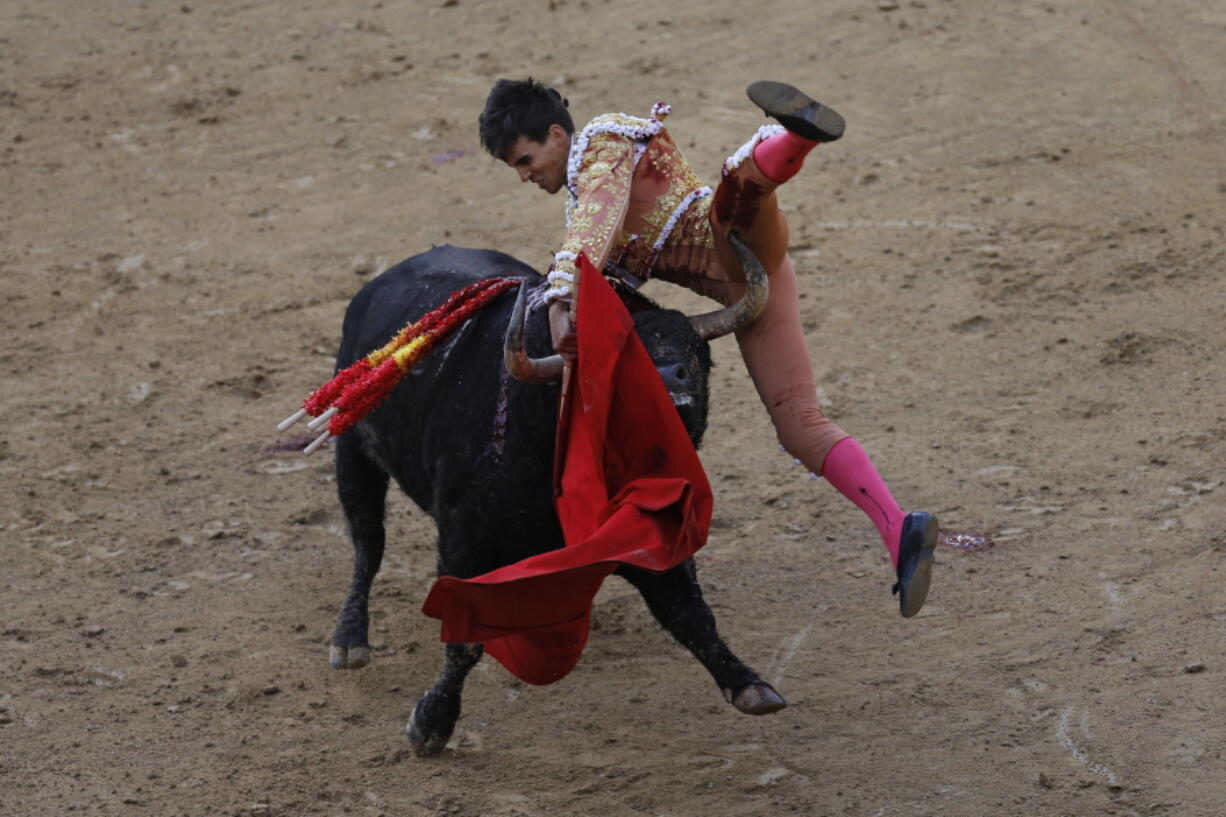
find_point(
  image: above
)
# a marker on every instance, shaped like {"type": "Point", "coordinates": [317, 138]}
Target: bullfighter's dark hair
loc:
{"type": "Point", "coordinates": [517, 108]}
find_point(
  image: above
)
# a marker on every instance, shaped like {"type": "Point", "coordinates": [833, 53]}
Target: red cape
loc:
{"type": "Point", "coordinates": [629, 489]}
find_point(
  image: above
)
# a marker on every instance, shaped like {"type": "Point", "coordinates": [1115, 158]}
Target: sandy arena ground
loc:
{"type": "Point", "coordinates": [1014, 285]}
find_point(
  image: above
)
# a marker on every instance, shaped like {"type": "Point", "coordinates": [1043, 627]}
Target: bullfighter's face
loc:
{"type": "Point", "coordinates": [542, 163]}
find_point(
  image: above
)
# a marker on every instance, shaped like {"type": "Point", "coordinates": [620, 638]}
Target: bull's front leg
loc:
{"type": "Point", "coordinates": [675, 599]}
{"type": "Point", "coordinates": [434, 717]}
{"type": "Point", "coordinates": [362, 487]}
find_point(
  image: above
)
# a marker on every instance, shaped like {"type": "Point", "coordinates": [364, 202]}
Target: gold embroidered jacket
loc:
{"type": "Point", "coordinates": [629, 186]}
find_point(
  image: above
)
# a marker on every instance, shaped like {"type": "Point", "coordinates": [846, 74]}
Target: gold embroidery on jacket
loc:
{"type": "Point", "coordinates": [602, 193]}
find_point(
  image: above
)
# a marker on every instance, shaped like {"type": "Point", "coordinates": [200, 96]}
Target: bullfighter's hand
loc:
{"type": "Point", "coordinates": [562, 331]}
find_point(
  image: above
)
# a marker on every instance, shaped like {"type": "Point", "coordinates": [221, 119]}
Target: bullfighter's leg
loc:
{"type": "Point", "coordinates": [777, 359]}
{"type": "Point", "coordinates": [675, 599]}
{"type": "Point", "coordinates": [434, 717]}
{"type": "Point", "coordinates": [362, 486]}
{"type": "Point", "coordinates": [745, 200]}
{"type": "Point", "coordinates": [774, 346]}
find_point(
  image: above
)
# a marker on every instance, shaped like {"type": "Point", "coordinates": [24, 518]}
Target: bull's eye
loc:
{"type": "Point", "coordinates": [681, 374]}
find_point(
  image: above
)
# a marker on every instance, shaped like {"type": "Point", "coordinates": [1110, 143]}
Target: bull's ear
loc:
{"type": "Point", "coordinates": [633, 300]}
{"type": "Point", "coordinates": [519, 365]}
{"type": "Point", "coordinates": [742, 313]}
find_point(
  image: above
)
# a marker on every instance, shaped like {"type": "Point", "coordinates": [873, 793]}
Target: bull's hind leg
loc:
{"type": "Point", "coordinates": [362, 486]}
{"type": "Point", "coordinates": [675, 599]}
{"type": "Point", "coordinates": [434, 716]}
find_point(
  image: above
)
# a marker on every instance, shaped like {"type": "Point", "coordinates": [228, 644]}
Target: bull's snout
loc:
{"type": "Point", "coordinates": [675, 376]}
{"type": "Point", "coordinates": [679, 381]}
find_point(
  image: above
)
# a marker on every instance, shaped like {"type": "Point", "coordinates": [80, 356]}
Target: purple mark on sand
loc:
{"type": "Point", "coordinates": [292, 445]}
{"type": "Point", "coordinates": [965, 540]}
{"type": "Point", "coordinates": [444, 157]}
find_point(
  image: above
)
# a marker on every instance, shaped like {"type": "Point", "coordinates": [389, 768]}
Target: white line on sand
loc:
{"type": "Point", "coordinates": [789, 653]}
{"type": "Point", "coordinates": [1063, 734]}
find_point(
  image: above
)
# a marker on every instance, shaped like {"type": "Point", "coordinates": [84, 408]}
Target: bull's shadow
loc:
{"type": "Point", "coordinates": [473, 447]}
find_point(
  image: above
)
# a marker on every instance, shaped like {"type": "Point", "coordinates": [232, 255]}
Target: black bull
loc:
{"type": "Point", "coordinates": [473, 447]}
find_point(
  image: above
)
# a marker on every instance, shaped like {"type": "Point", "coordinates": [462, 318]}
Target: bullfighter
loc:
{"type": "Point", "coordinates": [637, 210]}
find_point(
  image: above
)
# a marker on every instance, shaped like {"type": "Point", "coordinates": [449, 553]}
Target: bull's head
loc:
{"type": "Point", "coordinates": [677, 344]}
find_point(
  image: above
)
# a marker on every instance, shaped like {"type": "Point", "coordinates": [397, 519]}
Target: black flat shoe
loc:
{"type": "Point", "coordinates": [796, 111]}
{"type": "Point", "coordinates": [919, 540]}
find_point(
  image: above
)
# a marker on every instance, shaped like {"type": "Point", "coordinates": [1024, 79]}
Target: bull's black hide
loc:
{"type": "Point", "coordinates": [473, 447]}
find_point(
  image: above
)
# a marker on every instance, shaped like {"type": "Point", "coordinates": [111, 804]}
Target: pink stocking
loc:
{"type": "Point", "coordinates": [848, 468]}
{"type": "Point", "coordinates": [781, 156]}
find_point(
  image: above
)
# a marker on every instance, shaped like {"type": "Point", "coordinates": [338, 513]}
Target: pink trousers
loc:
{"type": "Point", "coordinates": [699, 257]}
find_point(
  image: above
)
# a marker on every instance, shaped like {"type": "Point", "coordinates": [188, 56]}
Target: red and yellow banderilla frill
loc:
{"type": "Point", "coordinates": [358, 388]}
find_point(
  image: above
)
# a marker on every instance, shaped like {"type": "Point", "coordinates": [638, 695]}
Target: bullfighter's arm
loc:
{"type": "Point", "coordinates": [603, 185]}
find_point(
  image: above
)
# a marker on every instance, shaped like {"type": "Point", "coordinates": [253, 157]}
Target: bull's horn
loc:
{"type": "Point", "coordinates": [740, 314]}
{"type": "Point", "coordinates": [522, 367]}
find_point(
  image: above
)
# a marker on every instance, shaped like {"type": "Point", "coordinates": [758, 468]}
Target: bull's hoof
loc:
{"type": "Point", "coordinates": [348, 657]}
{"type": "Point", "coordinates": [758, 698]}
{"type": "Point", "coordinates": [426, 742]}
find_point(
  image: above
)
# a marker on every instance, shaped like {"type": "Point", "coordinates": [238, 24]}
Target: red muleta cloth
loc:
{"type": "Point", "coordinates": [629, 489]}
